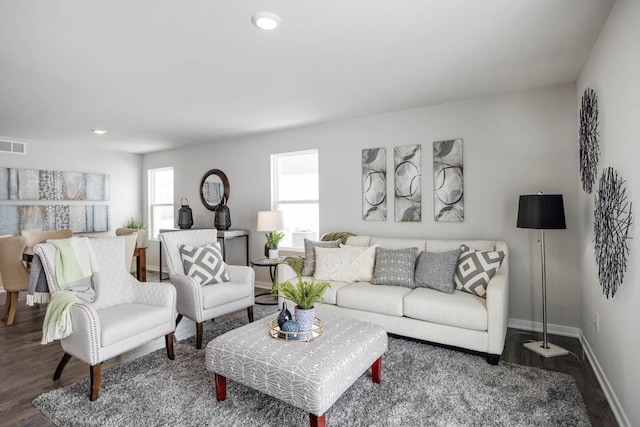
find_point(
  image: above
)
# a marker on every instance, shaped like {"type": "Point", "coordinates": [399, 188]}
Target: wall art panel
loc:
{"type": "Point", "coordinates": [34, 184]}
{"type": "Point", "coordinates": [80, 218]}
{"type": "Point", "coordinates": [374, 184]}
{"type": "Point", "coordinates": [448, 189]}
{"type": "Point", "coordinates": [407, 176]}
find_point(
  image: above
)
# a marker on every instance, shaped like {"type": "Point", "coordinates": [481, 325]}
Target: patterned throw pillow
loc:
{"type": "Point", "coordinates": [204, 264]}
{"type": "Point", "coordinates": [333, 264]}
{"type": "Point", "coordinates": [395, 267]}
{"type": "Point", "coordinates": [309, 266]}
{"type": "Point", "coordinates": [435, 270]}
{"type": "Point", "coordinates": [475, 270]}
{"type": "Point", "coordinates": [362, 262]}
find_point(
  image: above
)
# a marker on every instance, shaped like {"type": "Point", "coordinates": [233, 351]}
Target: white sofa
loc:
{"type": "Point", "coordinates": [459, 319]}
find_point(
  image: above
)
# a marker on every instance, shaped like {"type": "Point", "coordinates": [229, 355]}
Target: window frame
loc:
{"type": "Point", "coordinates": [275, 202]}
{"type": "Point", "coordinates": [152, 205]}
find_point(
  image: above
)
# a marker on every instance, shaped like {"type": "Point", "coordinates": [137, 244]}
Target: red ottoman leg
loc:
{"type": "Point", "coordinates": [221, 387]}
{"type": "Point", "coordinates": [317, 421]}
{"type": "Point", "coordinates": [376, 371]}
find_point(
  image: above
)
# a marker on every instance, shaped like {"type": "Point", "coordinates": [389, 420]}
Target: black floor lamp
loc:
{"type": "Point", "coordinates": [542, 212]}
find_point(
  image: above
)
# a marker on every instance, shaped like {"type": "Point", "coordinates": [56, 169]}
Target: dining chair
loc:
{"type": "Point", "coordinates": [15, 277]}
{"type": "Point", "coordinates": [34, 237]}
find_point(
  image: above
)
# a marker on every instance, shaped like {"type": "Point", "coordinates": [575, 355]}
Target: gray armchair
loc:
{"type": "Point", "coordinates": [125, 314]}
{"type": "Point", "coordinates": [201, 303]}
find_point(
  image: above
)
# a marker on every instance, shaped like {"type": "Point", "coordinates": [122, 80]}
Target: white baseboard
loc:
{"type": "Point", "coordinates": [530, 325]}
{"type": "Point", "coordinates": [616, 407]}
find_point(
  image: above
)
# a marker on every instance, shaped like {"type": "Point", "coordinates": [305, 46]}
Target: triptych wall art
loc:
{"type": "Point", "coordinates": [448, 182]}
{"type": "Point", "coordinates": [79, 218]}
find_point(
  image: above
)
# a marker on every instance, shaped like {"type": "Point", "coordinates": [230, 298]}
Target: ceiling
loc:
{"type": "Point", "coordinates": [159, 74]}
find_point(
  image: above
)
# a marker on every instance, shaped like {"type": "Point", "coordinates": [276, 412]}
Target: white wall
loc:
{"type": "Point", "coordinates": [613, 71]}
{"type": "Point", "coordinates": [513, 144]}
{"type": "Point", "coordinates": [124, 170]}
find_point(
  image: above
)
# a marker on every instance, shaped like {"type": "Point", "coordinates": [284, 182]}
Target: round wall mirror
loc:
{"type": "Point", "coordinates": [213, 187]}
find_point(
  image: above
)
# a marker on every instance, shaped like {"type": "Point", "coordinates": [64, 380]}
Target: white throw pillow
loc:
{"type": "Point", "coordinates": [333, 264]}
{"type": "Point", "coordinates": [362, 262]}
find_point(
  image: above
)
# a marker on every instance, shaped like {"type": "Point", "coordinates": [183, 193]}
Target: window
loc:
{"type": "Point", "coordinates": [160, 200]}
{"type": "Point", "coordinates": [295, 193]}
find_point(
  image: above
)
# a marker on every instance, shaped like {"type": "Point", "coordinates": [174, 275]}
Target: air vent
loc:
{"type": "Point", "coordinates": [13, 147]}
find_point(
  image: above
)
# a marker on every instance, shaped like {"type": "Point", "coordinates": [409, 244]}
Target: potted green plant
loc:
{"type": "Point", "coordinates": [136, 224]}
{"type": "Point", "coordinates": [304, 294]}
{"type": "Point", "coordinates": [271, 247]}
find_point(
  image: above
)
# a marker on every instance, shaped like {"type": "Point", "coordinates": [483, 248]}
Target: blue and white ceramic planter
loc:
{"type": "Point", "coordinates": [305, 318]}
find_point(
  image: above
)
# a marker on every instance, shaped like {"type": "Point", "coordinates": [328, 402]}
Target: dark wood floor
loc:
{"type": "Point", "coordinates": [26, 367]}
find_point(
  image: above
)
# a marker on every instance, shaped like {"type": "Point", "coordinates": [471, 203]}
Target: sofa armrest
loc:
{"type": "Point", "coordinates": [85, 340]}
{"type": "Point", "coordinates": [498, 310]}
{"type": "Point", "coordinates": [158, 294]}
{"type": "Point", "coordinates": [188, 296]}
{"type": "Point", "coordinates": [284, 273]}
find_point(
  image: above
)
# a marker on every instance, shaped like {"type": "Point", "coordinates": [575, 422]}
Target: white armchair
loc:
{"type": "Point", "coordinates": [125, 314]}
{"type": "Point", "coordinates": [201, 303]}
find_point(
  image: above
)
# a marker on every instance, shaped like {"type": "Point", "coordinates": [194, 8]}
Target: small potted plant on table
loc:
{"type": "Point", "coordinates": [304, 294]}
{"type": "Point", "coordinates": [271, 247]}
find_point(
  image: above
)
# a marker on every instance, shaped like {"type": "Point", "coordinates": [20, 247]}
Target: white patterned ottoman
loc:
{"type": "Point", "coordinates": [308, 375]}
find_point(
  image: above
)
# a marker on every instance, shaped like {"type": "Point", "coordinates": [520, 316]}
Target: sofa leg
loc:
{"type": "Point", "coordinates": [94, 372]}
{"type": "Point", "coordinates": [199, 334]}
{"type": "Point", "coordinates": [168, 342]}
{"type": "Point", "coordinates": [493, 359]}
{"type": "Point", "coordinates": [63, 362]}
{"type": "Point", "coordinates": [250, 313]}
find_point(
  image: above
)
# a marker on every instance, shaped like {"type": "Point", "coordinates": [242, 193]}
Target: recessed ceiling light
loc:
{"type": "Point", "coordinates": [266, 20]}
{"type": "Point", "coordinates": [99, 131]}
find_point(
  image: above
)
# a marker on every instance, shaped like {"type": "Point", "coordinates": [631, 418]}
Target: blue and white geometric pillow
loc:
{"type": "Point", "coordinates": [475, 270]}
{"type": "Point", "coordinates": [204, 264]}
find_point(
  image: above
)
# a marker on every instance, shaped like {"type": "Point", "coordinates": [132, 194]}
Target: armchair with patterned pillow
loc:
{"type": "Point", "coordinates": [206, 286]}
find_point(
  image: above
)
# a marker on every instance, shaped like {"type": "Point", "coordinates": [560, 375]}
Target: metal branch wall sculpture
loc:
{"type": "Point", "coordinates": [589, 148]}
{"type": "Point", "coordinates": [612, 219]}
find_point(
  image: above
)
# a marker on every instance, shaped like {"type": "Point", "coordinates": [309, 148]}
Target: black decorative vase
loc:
{"type": "Point", "coordinates": [223, 216]}
{"type": "Point", "coordinates": [284, 316]}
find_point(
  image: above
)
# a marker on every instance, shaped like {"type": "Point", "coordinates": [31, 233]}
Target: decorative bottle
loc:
{"type": "Point", "coordinates": [284, 316]}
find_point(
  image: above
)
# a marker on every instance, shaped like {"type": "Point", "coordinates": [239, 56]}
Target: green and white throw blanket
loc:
{"type": "Point", "coordinates": [77, 275]}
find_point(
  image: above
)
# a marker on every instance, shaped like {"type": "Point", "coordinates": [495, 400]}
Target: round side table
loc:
{"type": "Point", "coordinates": [272, 264]}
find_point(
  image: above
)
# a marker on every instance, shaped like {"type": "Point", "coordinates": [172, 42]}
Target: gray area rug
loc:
{"type": "Point", "coordinates": [421, 385]}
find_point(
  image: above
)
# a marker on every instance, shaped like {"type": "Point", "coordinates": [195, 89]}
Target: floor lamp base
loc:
{"type": "Point", "coordinates": [552, 350]}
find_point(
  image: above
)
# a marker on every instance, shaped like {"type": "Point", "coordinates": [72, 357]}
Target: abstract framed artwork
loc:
{"type": "Point", "coordinates": [37, 184]}
{"type": "Point", "coordinates": [448, 188]}
{"type": "Point", "coordinates": [79, 218]}
{"type": "Point", "coordinates": [407, 175]}
{"type": "Point", "coordinates": [374, 184]}
{"type": "Point", "coordinates": [589, 134]}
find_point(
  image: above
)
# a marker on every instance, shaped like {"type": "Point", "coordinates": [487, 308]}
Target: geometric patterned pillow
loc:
{"type": "Point", "coordinates": [204, 264]}
{"type": "Point", "coordinates": [333, 264]}
{"type": "Point", "coordinates": [362, 261]}
{"type": "Point", "coordinates": [309, 266]}
{"type": "Point", "coordinates": [475, 270]}
{"type": "Point", "coordinates": [395, 267]}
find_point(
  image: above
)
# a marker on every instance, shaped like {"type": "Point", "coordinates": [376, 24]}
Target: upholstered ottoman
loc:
{"type": "Point", "coordinates": [308, 375]}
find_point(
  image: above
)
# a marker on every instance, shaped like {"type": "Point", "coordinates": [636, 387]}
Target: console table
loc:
{"type": "Point", "coordinates": [223, 237]}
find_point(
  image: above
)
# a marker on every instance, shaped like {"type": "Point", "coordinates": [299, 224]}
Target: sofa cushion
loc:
{"type": "Point", "coordinates": [460, 309]}
{"type": "Point", "coordinates": [330, 295]}
{"type": "Point", "coordinates": [395, 267]}
{"type": "Point", "coordinates": [475, 270]}
{"type": "Point", "coordinates": [126, 320]}
{"type": "Point", "coordinates": [309, 266]}
{"type": "Point", "coordinates": [204, 264]}
{"type": "Point", "coordinates": [333, 264]}
{"type": "Point", "coordinates": [450, 245]}
{"type": "Point", "coordinates": [358, 240]}
{"type": "Point", "coordinates": [377, 299]}
{"type": "Point", "coordinates": [435, 270]}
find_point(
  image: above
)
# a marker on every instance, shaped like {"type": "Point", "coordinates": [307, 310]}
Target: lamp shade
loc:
{"type": "Point", "coordinates": [541, 211]}
{"type": "Point", "coordinates": [270, 221]}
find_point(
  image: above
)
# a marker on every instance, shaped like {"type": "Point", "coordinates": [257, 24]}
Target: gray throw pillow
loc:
{"type": "Point", "coordinates": [204, 264]}
{"type": "Point", "coordinates": [395, 267]}
{"type": "Point", "coordinates": [309, 266]}
{"type": "Point", "coordinates": [435, 270]}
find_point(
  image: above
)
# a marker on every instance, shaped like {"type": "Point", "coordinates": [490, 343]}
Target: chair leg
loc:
{"type": "Point", "coordinates": [199, 334]}
{"type": "Point", "coordinates": [7, 304]}
{"type": "Point", "coordinates": [250, 313]}
{"type": "Point", "coordinates": [13, 305]}
{"type": "Point", "coordinates": [168, 341]}
{"type": "Point", "coordinates": [178, 319]}
{"type": "Point", "coordinates": [94, 372]}
{"type": "Point", "coordinates": [63, 362]}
